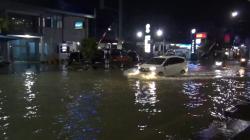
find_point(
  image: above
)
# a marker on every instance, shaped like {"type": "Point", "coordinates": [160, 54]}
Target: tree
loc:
{"type": "Point", "coordinates": [88, 48]}
{"type": "Point", "coordinates": [3, 25]}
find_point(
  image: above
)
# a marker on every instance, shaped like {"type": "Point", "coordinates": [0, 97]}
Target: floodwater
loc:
{"type": "Point", "coordinates": [39, 102]}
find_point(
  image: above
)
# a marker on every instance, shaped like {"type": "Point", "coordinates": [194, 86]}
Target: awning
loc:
{"type": "Point", "coordinates": [26, 36]}
{"type": "Point", "coordinates": [7, 38]}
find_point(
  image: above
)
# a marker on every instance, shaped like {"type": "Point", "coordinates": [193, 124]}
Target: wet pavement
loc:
{"type": "Point", "coordinates": [52, 102]}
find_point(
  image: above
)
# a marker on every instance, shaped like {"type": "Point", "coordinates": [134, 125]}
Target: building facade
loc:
{"type": "Point", "coordinates": [35, 33]}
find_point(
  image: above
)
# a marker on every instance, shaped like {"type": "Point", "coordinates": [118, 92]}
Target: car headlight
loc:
{"type": "Point", "coordinates": [218, 63]}
{"type": "Point", "coordinates": [242, 60]}
{"type": "Point", "coordinates": [152, 68]}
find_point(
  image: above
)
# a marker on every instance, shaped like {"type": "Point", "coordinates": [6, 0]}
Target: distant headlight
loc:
{"type": "Point", "coordinates": [152, 68]}
{"type": "Point", "coordinates": [242, 60]}
{"type": "Point", "coordinates": [218, 63]}
{"type": "Point", "coordinates": [139, 67]}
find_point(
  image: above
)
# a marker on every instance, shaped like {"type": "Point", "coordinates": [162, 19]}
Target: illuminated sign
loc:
{"type": "Point", "coordinates": [148, 28]}
{"type": "Point", "coordinates": [147, 44]}
{"type": "Point", "coordinates": [227, 38]}
{"type": "Point", "coordinates": [79, 25]}
{"type": "Point", "coordinates": [193, 46]}
{"type": "Point", "coordinates": [198, 41]}
{"type": "Point", "coordinates": [64, 48]}
{"type": "Point", "coordinates": [201, 35]}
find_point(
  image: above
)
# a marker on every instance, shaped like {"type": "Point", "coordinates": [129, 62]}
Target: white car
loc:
{"type": "Point", "coordinates": [165, 65]}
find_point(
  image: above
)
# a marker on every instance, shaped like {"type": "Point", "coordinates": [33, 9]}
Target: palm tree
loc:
{"type": "Point", "coordinates": [88, 48]}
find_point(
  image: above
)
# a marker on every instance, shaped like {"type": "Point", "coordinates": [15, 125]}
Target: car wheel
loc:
{"type": "Point", "coordinates": [160, 74]}
{"type": "Point", "coordinates": [183, 72]}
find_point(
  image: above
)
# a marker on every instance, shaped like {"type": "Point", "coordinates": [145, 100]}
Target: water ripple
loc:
{"type": "Point", "coordinates": [81, 119]}
{"type": "Point", "coordinates": [30, 95]}
{"type": "Point", "coordinates": [195, 98]}
{"type": "Point", "coordinates": [4, 118]}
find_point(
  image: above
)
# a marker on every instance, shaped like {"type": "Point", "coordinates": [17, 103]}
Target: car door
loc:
{"type": "Point", "coordinates": [169, 67]}
{"type": "Point", "coordinates": [174, 66]}
{"type": "Point", "coordinates": [181, 65]}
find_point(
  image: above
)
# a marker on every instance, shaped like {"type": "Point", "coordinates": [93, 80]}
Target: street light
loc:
{"type": "Point", "coordinates": [109, 29]}
{"type": "Point", "coordinates": [139, 34]}
{"type": "Point", "coordinates": [234, 14]}
{"type": "Point", "coordinates": [193, 31]}
{"type": "Point", "coordinates": [159, 33]}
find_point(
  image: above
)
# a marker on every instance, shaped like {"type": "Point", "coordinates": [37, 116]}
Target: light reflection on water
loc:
{"type": "Point", "coordinates": [146, 100]}
{"type": "Point", "coordinates": [30, 95]}
{"type": "Point", "coordinates": [146, 97]}
{"type": "Point", "coordinates": [225, 95]}
{"type": "Point", "coordinates": [81, 120]}
{"type": "Point", "coordinates": [4, 118]}
{"type": "Point", "coordinates": [247, 93]}
{"type": "Point", "coordinates": [195, 97]}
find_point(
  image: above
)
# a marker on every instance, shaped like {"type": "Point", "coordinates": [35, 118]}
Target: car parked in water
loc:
{"type": "Point", "coordinates": [133, 56]}
{"type": "Point", "coordinates": [165, 65]}
{"type": "Point", "coordinates": [125, 58]}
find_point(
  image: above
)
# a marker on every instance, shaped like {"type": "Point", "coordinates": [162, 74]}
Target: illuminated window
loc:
{"type": "Point", "coordinates": [78, 25]}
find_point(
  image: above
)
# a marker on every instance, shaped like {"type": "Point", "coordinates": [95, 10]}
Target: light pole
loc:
{"type": "Point", "coordinates": [234, 15]}
{"type": "Point", "coordinates": [161, 44]}
{"type": "Point", "coordinates": [193, 44]}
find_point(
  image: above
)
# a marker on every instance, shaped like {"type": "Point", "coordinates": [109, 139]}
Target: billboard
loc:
{"type": "Point", "coordinates": [201, 35]}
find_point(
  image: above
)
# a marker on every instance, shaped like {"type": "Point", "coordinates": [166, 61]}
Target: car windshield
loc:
{"type": "Point", "coordinates": [156, 61]}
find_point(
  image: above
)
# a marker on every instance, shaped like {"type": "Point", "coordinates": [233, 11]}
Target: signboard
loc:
{"type": "Point", "coordinates": [64, 48]}
{"type": "Point", "coordinates": [193, 45]}
{"type": "Point", "coordinates": [78, 25]}
{"type": "Point", "coordinates": [198, 41]}
{"type": "Point", "coordinates": [147, 44]}
{"type": "Point", "coordinates": [227, 38]}
{"type": "Point", "coordinates": [201, 35]}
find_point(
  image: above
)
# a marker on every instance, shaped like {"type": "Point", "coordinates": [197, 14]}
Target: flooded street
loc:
{"type": "Point", "coordinates": [44, 102]}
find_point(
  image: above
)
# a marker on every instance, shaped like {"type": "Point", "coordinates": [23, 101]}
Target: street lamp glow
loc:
{"type": "Point", "coordinates": [109, 28]}
{"type": "Point", "coordinates": [193, 31]}
{"type": "Point", "coordinates": [139, 34]}
{"type": "Point", "coordinates": [235, 14]}
{"type": "Point", "coordinates": [159, 33]}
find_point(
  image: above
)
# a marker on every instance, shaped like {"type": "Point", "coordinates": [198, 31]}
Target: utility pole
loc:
{"type": "Point", "coordinates": [120, 19]}
{"type": "Point", "coordinates": [120, 14]}
{"type": "Point", "coordinates": [102, 4]}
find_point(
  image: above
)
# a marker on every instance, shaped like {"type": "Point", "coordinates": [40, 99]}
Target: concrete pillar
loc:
{"type": "Point", "coordinates": [37, 49]}
{"type": "Point", "coordinates": [27, 51]}
{"type": "Point", "coordinates": [41, 49]}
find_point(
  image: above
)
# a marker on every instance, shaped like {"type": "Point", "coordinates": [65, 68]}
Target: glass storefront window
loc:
{"type": "Point", "coordinates": [48, 22]}
{"type": "Point", "coordinates": [25, 50]}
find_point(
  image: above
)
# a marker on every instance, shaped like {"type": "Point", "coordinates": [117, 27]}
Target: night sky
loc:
{"type": "Point", "coordinates": [176, 17]}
